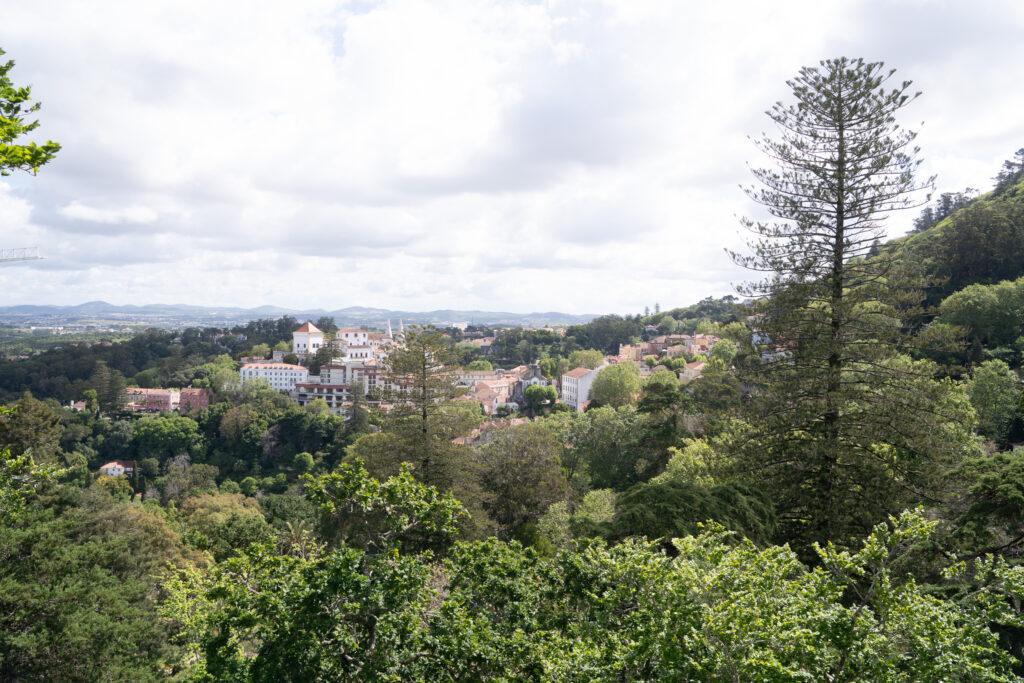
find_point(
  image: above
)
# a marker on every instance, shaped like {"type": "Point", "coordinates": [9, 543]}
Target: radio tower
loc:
{"type": "Point", "coordinates": [20, 254]}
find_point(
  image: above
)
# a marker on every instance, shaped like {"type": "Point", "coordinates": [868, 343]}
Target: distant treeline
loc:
{"type": "Point", "coordinates": [63, 374]}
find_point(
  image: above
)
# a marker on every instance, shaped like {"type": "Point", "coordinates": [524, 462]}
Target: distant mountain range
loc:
{"type": "Point", "coordinates": [176, 315]}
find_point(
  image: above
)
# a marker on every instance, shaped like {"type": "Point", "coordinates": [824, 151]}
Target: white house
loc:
{"type": "Point", "coordinates": [307, 340]}
{"type": "Point", "coordinates": [116, 468]}
{"type": "Point", "coordinates": [282, 376]}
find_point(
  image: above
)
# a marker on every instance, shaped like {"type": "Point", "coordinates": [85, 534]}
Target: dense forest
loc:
{"type": "Point", "coordinates": [838, 495]}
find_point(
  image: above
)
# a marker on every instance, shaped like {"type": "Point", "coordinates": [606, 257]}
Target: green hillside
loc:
{"type": "Point", "coordinates": [981, 242]}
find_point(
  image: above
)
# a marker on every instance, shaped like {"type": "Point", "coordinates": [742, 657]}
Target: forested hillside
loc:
{"type": "Point", "coordinates": [967, 241]}
{"type": "Point", "coordinates": [831, 491]}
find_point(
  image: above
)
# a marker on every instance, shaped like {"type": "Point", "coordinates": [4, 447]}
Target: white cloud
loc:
{"type": "Point", "coordinates": [128, 214]}
{"type": "Point", "coordinates": [14, 212]}
{"type": "Point", "coordinates": [582, 156]}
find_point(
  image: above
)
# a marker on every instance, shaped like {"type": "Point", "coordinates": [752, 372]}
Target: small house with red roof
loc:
{"type": "Point", "coordinates": [116, 468]}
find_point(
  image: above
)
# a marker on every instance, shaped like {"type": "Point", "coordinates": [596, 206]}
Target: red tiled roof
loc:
{"type": "Point", "coordinates": [310, 327]}
{"type": "Point", "coordinates": [124, 464]}
{"type": "Point", "coordinates": [578, 372]}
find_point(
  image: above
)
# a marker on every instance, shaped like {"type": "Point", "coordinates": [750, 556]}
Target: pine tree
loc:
{"type": "Point", "coordinates": [421, 420]}
{"type": "Point", "coordinates": [419, 392]}
{"type": "Point", "coordinates": [847, 430]}
{"type": "Point", "coordinates": [109, 386]}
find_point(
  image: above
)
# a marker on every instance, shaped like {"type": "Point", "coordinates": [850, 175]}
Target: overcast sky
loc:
{"type": "Point", "coordinates": [585, 157]}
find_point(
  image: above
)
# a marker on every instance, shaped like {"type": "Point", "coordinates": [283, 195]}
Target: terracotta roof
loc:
{"type": "Point", "coordinates": [578, 372]}
{"type": "Point", "coordinates": [116, 463]}
{"type": "Point", "coordinates": [482, 393]}
{"type": "Point", "coordinates": [310, 327]}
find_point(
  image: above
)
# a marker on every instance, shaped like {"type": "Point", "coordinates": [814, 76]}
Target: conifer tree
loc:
{"type": "Point", "coordinates": [420, 413]}
{"type": "Point", "coordinates": [847, 429]}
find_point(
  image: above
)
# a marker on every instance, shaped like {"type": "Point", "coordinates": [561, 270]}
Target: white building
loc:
{"type": "Point", "coordinates": [332, 374]}
{"type": "Point", "coordinates": [282, 376]}
{"type": "Point", "coordinates": [361, 376]}
{"type": "Point", "coordinates": [576, 387]}
{"type": "Point", "coordinates": [353, 337]}
{"type": "Point", "coordinates": [336, 396]}
{"type": "Point", "coordinates": [307, 340]}
{"type": "Point", "coordinates": [116, 468]}
{"type": "Point", "coordinates": [358, 353]}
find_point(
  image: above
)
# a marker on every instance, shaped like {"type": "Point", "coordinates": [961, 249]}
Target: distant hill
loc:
{"type": "Point", "coordinates": [176, 315]}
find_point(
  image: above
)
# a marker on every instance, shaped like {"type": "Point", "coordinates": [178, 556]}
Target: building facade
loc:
{"type": "Point", "coordinates": [282, 376]}
{"type": "Point", "coordinates": [337, 396]}
{"type": "Point", "coordinates": [116, 468]}
{"type": "Point", "coordinates": [576, 387]}
{"type": "Point", "coordinates": [142, 400]}
{"type": "Point", "coordinates": [193, 398]}
{"type": "Point", "coordinates": [307, 340]}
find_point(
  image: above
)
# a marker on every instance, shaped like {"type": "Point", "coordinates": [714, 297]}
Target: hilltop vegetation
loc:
{"type": "Point", "coordinates": [980, 240]}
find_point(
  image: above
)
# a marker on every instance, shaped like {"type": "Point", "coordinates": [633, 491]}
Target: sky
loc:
{"type": "Point", "coordinates": [583, 157]}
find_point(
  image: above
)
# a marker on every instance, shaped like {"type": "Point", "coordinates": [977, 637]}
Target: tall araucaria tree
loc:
{"type": "Point", "coordinates": [421, 421]}
{"type": "Point", "coordinates": [847, 429]}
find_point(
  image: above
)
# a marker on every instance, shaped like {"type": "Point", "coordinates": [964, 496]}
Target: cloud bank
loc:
{"type": "Point", "coordinates": [576, 156]}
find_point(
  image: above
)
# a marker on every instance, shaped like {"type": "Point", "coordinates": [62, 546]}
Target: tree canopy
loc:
{"type": "Point", "coordinates": [15, 105]}
{"type": "Point", "coordinates": [616, 385]}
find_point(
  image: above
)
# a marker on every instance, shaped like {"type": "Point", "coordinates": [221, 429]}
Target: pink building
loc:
{"type": "Point", "coordinates": [193, 398]}
{"type": "Point", "coordinates": [138, 399]}
{"type": "Point", "coordinates": [141, 400]}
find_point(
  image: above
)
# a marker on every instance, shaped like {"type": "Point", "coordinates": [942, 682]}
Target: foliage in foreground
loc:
{"type": "Point", "coordinates": [78, 589]}
{"type": "Point", "coordinates": [717, 607]}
